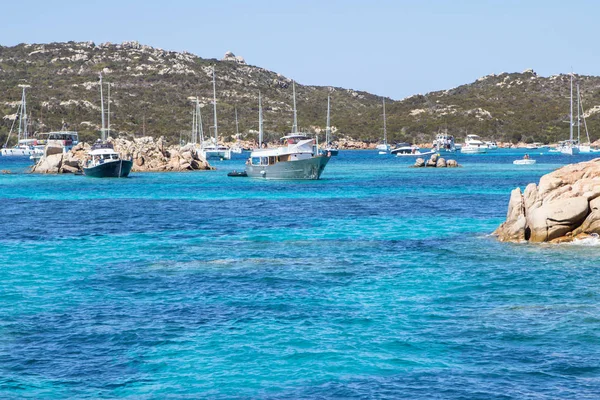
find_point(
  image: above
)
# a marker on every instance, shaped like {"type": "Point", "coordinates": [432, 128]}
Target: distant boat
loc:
{"type": "Point", "coordinates": [411, 151]}
{"type": "Point", "coordinates": [329, 149]}
{"type": "Point", "coordinates": [571, 146]}
{"type": "Point", "coordinates": [56, 142]}
{"type": "Point", "coordinates": [25, 146]}
{"type": "Point", "coordinates": [297, 157]}
{"type": "Point", "coordinates": [586, 147]}
{"type": "Point", "coordinates": [211, 148]}
{"type": "Point", "coordinates": [383, 147]}
{"type": "Point", "coordinates": [444, 142]}
{"type": "Point", "coordinates": [237, 148]}
{"type": "Point", "coordinates": [526, 161]}
{"type": "Point", "coordinates": [473, 145]}
{"type": "Point", "coordinates": [492, 145]}
{"type": "Point", "coordinates": [103, 161]}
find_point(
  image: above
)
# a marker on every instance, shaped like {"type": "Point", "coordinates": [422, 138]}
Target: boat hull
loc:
{"type": "Point", "coordinates": [114, 169]}
{"type": "Point", "coordinates": [524, 162]}
{"type": "Point", "coordinates": [217, 154]}
{"type": "Point", "coordinates": [16, 152]}
{"type": "Point", "coordinates": [307, 169]}
{"type": "Point", "coordinates": [569, 150]}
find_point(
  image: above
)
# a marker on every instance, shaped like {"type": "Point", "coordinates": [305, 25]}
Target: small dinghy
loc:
{"type": "Point", "coordinates": [237, 173]}
{"type": "Point", "coordinates": [527, 161]}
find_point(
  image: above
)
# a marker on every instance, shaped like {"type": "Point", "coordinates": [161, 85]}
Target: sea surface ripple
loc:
{"type": "Point", "coordinates": [378, 281]}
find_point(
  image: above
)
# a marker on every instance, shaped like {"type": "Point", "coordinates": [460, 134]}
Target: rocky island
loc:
{"type": "Point", "coordinates": [148, 156]}
{"type": "Point", "coordinates": [564, 206]}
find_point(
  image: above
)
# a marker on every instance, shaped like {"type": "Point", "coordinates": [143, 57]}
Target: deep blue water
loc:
{"type": "Point", "coordinates": [378, 281]}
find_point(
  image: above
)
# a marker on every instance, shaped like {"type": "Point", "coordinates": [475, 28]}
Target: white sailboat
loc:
{"type": "Point", "coordinates": [329, 149]}
{"type": "Point", "coordinates": [571, 146]}
{"type": "Point", "coordinates": [586, 147]}
{"type": "Point", "coordinates": [25, 146]}
{"type": "Point", "coordinates": [237, 148]}
{"type": "Point", "coordinates": [384, 147]}
{"type": "Point", "coordinates": [211, 148]}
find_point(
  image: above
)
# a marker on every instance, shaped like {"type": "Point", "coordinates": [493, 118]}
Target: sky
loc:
{"type": "Point", "coordinates": [385, 47]}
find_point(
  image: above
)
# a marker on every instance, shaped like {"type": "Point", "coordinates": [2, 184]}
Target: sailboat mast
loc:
{"type": "Point", "coordinates": [571, 116]}
{"type": "Point", "coordinates": [24, 111]}
{"type": "Point", "coordinates": [578, 117]}
{"type": "Point", "coordinates": [199, 120]}
{"type": "Point", "coordinates": [237, 127]}
{"type": "Point", "coordinates": [585, 123]}
{"type": "Point", "coordinates": [194, 125]}
{"type": "Point", "coordinates": [102, 109]}
{"type": "Point", "coordinates": [215, 106]}
{"type": "Point", "coordinates": [384, 124]}
{"type": "Point", "coordinates": [328, 128]}
{"type": "Point", "coordinates": [295, 126]}
{"type": "Point", "coordinates": [108, 111]}
{"type": "Point", "coordinates": [260, 121]}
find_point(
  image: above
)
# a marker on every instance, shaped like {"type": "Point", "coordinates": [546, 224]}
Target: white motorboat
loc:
{"type": "Point", "coordinates": [473, 145]}
{"type": "Point", "coordinates": [55, 142]}
{"type": "Point", "coordinates": [444, 142]}
{"type": "Point", "coordinates": [411, 151]}
{"type": "Point", "coordinates": [524, 161]}
{"type": "Point", "coordinates": [492, 145]}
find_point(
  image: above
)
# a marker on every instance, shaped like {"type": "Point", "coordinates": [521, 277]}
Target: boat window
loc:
{"type": "Point", "coordinates": [255, 160]}
{"type": "Point", "coordinates": [271, 160]}
{"type": "Point", "coordinates": [115, 156]}
{"type": "Point", "coordinates": [107, 156]}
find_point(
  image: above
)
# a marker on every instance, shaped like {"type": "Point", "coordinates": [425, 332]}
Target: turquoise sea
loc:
{"type": "Point", "coordinates": [378, 281]}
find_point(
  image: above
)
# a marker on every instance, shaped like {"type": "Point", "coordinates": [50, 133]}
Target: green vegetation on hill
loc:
{"type": "Point", "coordinates": [151, 88]}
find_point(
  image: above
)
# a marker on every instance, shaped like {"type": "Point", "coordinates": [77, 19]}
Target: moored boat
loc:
{"type": "Point", "coordinates": [298, 157]}
{"type": "Point", "coordinates": [103, 161]}
{"type": "Point", "coordinates": [473, 145]}
{"type": "Point", "coordinates": [383, 147]}
{"type": "Point", "coordinates": [25, 146]}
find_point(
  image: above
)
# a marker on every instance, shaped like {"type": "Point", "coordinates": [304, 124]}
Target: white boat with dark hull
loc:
{"type": "Point", "coordinates": [298, 157]}
{"type": "Point", "coordinates": [103, 161]}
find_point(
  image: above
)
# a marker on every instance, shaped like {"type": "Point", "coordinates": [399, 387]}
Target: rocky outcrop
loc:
{"type": "Point", "coordinates": [229, 56]}
{"type": "Point", "coordinates": [564, 205]}
{"type": "Point", "coordinates": [435, 161]}
{"type": "Point", "coordinates": [147, 154]}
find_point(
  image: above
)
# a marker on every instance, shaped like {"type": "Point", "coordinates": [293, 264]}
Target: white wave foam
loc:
{"type": "Point", "coordinates": [592, 240]}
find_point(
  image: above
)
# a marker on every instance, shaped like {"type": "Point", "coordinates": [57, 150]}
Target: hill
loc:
{"type": "Point", "coordinates": [151, 89]}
